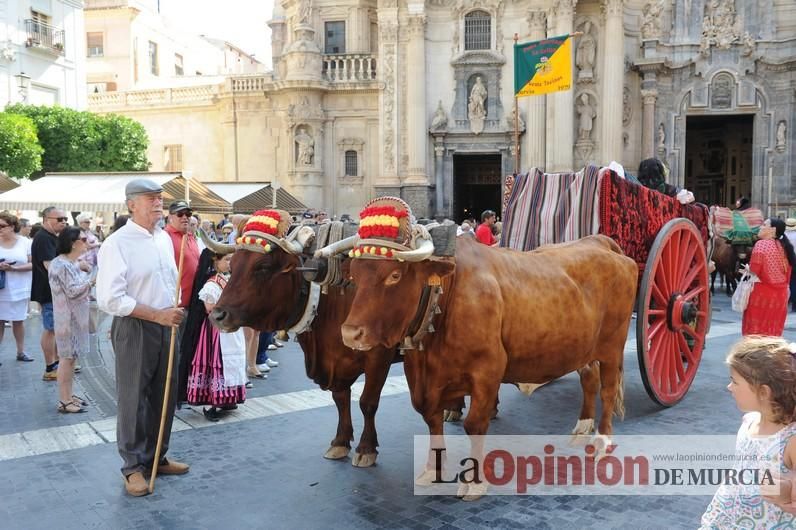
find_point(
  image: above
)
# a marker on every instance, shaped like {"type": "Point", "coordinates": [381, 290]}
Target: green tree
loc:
{"type": "Point", "coordinates": [20, 152]}
{"type": "Point", "coordinates": [82, 141]}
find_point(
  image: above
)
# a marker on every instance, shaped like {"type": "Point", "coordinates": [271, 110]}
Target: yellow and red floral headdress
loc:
{"type": "Point", "coordinates": [264, 230]}
{"type": "Point", "coordinates": [385, 227]}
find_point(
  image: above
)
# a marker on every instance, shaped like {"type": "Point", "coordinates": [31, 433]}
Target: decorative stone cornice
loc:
{"type": "Point", "coordinates": [480, 58]}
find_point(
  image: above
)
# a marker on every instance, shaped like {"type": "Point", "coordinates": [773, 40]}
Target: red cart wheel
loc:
{"type": "Point", "coordinates": [673, 312]}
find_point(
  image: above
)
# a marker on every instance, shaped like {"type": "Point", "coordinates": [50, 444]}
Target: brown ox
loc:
{"type": "Point", "coordinates": [540, 315]}
{"type": "Point", "coordinates": [263, 293]}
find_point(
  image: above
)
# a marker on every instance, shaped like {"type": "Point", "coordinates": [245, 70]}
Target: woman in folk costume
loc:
{"type": "Point", "coordinates": [772, 261]}
{"type": "Point", "coordinates": [217, 374]}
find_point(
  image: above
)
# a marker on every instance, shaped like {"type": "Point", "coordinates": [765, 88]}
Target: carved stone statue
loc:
{"type": "Point", "coordinates": [587, 115]}
{"type": "Point", "coordinates": [304, 11]}
{"type": "Point", "coordinates": [478, 95]}
{"type": "Point", "coordinates": [651, 20]}
{"type": "Point", "coordinates": [748, 44]}
{"type": "Point", "coordinates": [661, 136]}
{"type": "Point", "coordinates": [782, 130]}
{"type": "Point", "coordinates": [305, 148]}
{"type": "Point", "coordinates": [720, 25]}
{"type": "Point", "coordinates": [440, 120]}
{"type": "Point", "coordinates": [586, 53]}
{"type": "Point", "coordinates": [627, 106]}
{"type": "Point", "coordinates": [510, 120]}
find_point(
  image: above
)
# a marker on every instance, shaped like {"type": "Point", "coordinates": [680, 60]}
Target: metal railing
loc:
{"type": "Point", "coordinates": [41, 35]}
{"type": "Point", "coordinates": [345, 68]}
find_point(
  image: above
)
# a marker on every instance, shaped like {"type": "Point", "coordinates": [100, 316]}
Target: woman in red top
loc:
{"type": "Point", "coordinates": [772, 260]}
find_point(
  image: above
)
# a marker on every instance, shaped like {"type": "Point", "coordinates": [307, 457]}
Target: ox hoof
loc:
{"type": "Point", "coordinates": [364, 459]}
{"type": "Point", "coordinates": [451, 415]}
{"type": "Point", "coordinates": [475, 492]}
{"type": "Point", "coordinates": [581, 434]}
{"type": "Point", "coordinates": [462, 491]}
{"type": "Point", "coordinates": [601, 442]}
{"type": "Point", "coordinates": [426, 478]}
{"type": "Point", "coordinates": [337, 452]}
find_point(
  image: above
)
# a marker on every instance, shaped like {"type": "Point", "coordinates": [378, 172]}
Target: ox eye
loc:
{"type": "Point", "coordinates": [393, 278]}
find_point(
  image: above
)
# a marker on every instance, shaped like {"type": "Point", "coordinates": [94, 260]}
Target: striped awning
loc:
{"type": "Point", "coordinates": [104, 192]}
{"type": "Point", "coordinates": [248, 197]}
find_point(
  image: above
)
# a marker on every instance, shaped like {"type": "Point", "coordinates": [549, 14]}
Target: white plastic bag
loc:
{"type": "Point", "coordinates": [740, 299]}
{"type": "Point", "coordinates": [685, 196]}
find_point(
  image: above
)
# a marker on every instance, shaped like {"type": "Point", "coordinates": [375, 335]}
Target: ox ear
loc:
{"type": "Point", "coordinates": [439, 268]}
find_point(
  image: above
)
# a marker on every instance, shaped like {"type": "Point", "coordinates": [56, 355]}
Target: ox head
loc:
{"type": "Point", "coordinates": [265, 273]}
{"type": "Point", "coordinates": [393, 262]}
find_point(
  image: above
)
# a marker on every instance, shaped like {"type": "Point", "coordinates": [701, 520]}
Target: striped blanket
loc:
{"type": "Point", "coordinates": [724, 225]}
{"type": "Point", "coordinates": [547, 208]}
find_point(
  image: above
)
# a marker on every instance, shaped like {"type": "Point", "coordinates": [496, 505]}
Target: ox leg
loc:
{"type": "Point", "coordinates": [375, 376]}
{"type": "Point", "coordinates": [713, 281]}
{"type": "Point", "coordinates": [612, 397]}
{"type": "Point", "coordinates": [483, 402]}
{"type": "Point", "coordinates": [436, 451]}
{"type": "Point", "coordinates": [590, 383]}
{"type": "Point", "coordinates": [341, 444]}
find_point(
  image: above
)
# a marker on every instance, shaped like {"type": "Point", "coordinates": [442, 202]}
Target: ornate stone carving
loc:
{"type": "Point", "coordinates": [440, 120]}
{"type": "Point", "coordinates": [720, 25]}
{"type": "Point", "coordinates": [7, 53]}
{"type": "Point", "coordinates": [304, 12]}
{"type": "Point", "coordinates": [416, 26]}
{"type": "Point", "coordinates": [721, 91]}
{"type": "Point", "coordinates": [476, 106]}
{"type": "Point", "coordinates": [586, 54]}
{"type": "Point", "coordinates": [627, 106]}
{"type": "Point", "coordinates": [661, 137]}
{"type": "Point", "coordinates": [587, 113]}
{"type": "Point", "coordinates": [748, 43]}
{"type": "Point", "coordinates": [389, 107]}
{"type": "Point", "coordinates": [612, 8]}
{"type": "Point", "coordinates": [305, 147]}
{"type": "Point", "coordinates": [493, 7]}
{"type": "Point", "coordinates": [537, 21]}
{"type": "Point", "coordinates": [510, 121]}
{"type": "Point", "coordinates": [651, 18]}
{"type": "Point", "coordinates": [782, 129]}
{"type": "Point", "coordinates": [564, 8]}
{"type": "Point", "coordinates": [303, 111]}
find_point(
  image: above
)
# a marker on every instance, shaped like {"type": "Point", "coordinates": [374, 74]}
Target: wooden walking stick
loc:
{"type": "Point", "coordinates": [168, 375]}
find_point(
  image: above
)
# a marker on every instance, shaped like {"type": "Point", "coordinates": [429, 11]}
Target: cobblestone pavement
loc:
{"type": "Point", "coordinates": [263, 467]}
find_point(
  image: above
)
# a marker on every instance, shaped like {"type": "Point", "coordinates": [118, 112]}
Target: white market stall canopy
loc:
{"type": "Point", "coordinates": [104, 192]}
{"type": "Point", "coordinates": [248, 197]}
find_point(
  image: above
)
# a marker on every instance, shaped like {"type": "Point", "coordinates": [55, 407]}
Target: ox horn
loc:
{"type": "Point", "coordinates": [341, 246]}
{"type": "Point", "coordinates": [423, 251]}
{"type": "Point", "coordinates": [215, 246]}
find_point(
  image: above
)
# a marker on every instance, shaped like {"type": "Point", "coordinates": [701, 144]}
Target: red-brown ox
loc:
{"type": "Point", "coordinates": [540, 315]}
{"type": "Point", "coordinates": [263, 293]}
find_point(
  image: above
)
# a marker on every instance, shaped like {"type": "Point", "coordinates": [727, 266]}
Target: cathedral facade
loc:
{"type": "Point", "coordinates": [416, 99]}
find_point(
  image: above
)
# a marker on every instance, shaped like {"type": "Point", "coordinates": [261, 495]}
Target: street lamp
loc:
{"type": "Point", "coordinates": [23, 84]}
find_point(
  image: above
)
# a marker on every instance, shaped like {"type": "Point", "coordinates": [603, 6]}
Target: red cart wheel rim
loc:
{"type": "Point", "coordinates": [673, 314]}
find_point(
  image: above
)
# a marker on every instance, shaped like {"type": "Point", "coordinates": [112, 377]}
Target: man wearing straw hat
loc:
{"type": "Point", "coordinates": [136, 283]}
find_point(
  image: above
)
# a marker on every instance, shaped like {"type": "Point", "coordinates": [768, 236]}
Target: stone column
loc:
{"type": "Point", "coordinates": [561, 105]}
{"type": "Point", "coordinates": [416, 100]}
{"type": "Point", "coordinates": [649, 97]}
{"type": "Point", "coordinates": [612, 80]}
{"type": "Point", "coordinates": [439, 176]}
{"type": "Point", "coordinates": [533, 152]}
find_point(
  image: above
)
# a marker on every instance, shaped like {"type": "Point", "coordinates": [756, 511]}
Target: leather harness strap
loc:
{"type": "Point", "coordinates": [422, 322]}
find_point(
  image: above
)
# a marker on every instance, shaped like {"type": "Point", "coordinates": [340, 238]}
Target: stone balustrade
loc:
{"type": "Point", "coordinates": [250, 83]}
{"type": "Point", "coordinates": [160, 96]}
{"type": "Point", "coordinates": [348, 68]}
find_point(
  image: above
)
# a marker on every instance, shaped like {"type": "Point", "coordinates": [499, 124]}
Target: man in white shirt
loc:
{"type": "Point", "coordinates": [136, 283]}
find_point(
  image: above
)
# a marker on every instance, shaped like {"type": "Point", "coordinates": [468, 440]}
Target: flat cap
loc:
{"type": "Point", "coordinates": [139, 186]}
{"type": "Point", "coordinates": [177, 206]}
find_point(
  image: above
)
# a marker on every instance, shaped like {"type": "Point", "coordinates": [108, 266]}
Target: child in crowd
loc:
{"type": "Point", "coordinates": [218, 368]}
{"type": "Point", "coordinates": [763, 383]}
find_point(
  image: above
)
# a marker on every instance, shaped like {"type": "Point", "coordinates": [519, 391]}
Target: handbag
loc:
{"type": "Point", "coordinates": [740, 299]}
{"type": "Point", "coordinates": [2, 279]}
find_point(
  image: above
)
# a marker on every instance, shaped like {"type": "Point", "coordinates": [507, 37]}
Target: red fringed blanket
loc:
{"type": "Point", "coordinates": [632, 215]}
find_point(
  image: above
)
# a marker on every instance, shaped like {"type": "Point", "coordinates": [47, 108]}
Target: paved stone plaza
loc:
{"type": "Point", "coordinates": [262, 467]}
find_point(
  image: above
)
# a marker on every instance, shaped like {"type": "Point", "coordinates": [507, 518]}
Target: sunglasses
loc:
{"type": "Point", "coordinates": [184, 213]}
{"type": "Point", "coordinates": [60, 219]}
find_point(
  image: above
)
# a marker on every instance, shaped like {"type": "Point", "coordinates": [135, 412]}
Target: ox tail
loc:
{"type": "Point", "coordinates": [619, 402]}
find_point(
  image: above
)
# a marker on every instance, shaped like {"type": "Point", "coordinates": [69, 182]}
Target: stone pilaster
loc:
{"type": "Point", "coordinates": [388, 101]}
{"type": "Point", "coordinates": [533, 152]}
{"type": "Point", "coordinates": [612, 80]}
{"type": "Point", "coordinates": [561, 105]}
{"type": "Point", "coordinates": [439, 177]}
{"type": "Point", "coordinates": [649, 97]}
{"type": "Point", "coordinates": [416, 100]}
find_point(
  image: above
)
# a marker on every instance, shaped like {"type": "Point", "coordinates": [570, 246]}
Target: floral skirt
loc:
{"type": "Point", "coordinates": [206, 384]}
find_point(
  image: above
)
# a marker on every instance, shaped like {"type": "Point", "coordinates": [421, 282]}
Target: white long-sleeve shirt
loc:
{"type": "Point", "coordinates": [135, 267]}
